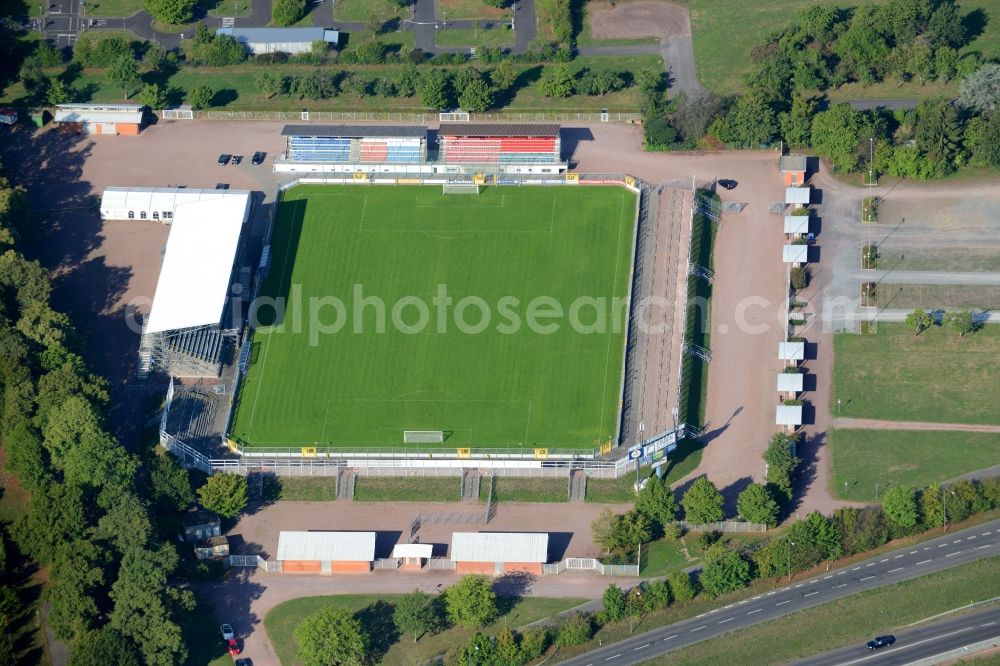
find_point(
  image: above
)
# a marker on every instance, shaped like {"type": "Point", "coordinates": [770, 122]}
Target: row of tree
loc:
{"type": "Point", "coordinates": [98, 516]}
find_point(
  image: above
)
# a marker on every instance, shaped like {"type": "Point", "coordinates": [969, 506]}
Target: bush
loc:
{"type": "Point", "coordinates": [200, 97]}
{"type": "Point", "coordinates": [287, 12]}
{"type": "Point", "coordinates": [799, 277]}
{"type": "Point", "coordinates": [577, 628]}
{"type": "Point", "coordinates": [673, 530]}
{"type": "Point", "coordinates": [725, 571]}
{"type": "Point", "coordinates": [682, 588]}
{"type": "Point", "coordinates": [175, 12]}
{"type": "Point", "coordinates": [708, 539]}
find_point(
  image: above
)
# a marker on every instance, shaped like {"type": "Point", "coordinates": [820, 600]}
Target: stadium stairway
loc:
{"type": "Point", "coordinates": [470, 485]}
{"type": "Point", "coordinates": [345, 484]}
{"type": "Point", "coordinates": [577, 486]}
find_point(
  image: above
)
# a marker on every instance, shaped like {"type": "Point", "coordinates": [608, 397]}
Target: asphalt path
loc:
{"type": "Point", "coordinates": [953, 549]}
{"type": "Point", "coordinates": [923, 642]}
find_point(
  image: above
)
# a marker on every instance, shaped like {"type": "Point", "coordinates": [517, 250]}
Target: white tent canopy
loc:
{"type": "Point", "coordinates": [795, 254]}
{"type": "Point", "coordinates": [198, 263]}
{"type": "Point", "coordinates": [789, 415]}
{"type": "Point", "coordinates": [791, 382]}
{"type": "Point", "coordinates": [791, 351]}
{"type": "Point", "coordinates": [796, 224]}
{"type": "Point", "coordinates": [797, 195]}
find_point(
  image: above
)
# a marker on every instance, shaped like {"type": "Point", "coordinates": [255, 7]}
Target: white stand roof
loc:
{"type": "Point", "coordinates": [500, 547]}
{"type": "Point", "coordinates": [791, 382]}
{"type": "Point", "coordinates": [795, 254]}
{"type": "Point", "coordinates": [796, 224]}
{"type": "Point", "coordinates": [789, 415]}
{"type": "Point", "coordinates": [198, 263]}
{"type": "Point", "coordinates": [798, 195]}
{"type": "Point", "coordinates": [791, 351]}
{"type": "Point", "coordinates": [338, 546]}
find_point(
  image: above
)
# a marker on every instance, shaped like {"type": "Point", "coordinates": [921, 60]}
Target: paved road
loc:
{"type": "Point", "coordinates": [928, 277]}
{"type": "Point", "coordinates": [956, 548]}
{"type": "Point", "coordinates": [932, 642]}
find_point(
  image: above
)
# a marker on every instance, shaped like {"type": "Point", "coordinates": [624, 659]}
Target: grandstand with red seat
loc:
{"type": "Point", "coordinates": [501, 144]}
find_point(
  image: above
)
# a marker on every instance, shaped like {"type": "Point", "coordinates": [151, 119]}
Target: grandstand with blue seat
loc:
{"type": "Point", "coordinates": [356, 144]}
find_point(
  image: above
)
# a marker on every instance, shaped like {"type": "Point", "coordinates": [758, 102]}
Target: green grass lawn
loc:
{"type": "Point", "coordinates": [850, 620]}
{"type": "Point", "coordinates": [936, 376]}
{"type": "Point", "coordinates": [401, 489]}
{"type": "Point", "coordinates": [936, 296]}
{"type": "Point", "coordinates": [724, 32]}
{"type": "Point", "coordinates": [965, 259]}
{"type": "Point", "coordinates": [308, 489]}
{"type": "Point", "coordinates": [478, 37]}
{"type": "Point", "coordinates": [511, 489]}
{"type": "Point", "coordinates": [359, 10]}
{"type": "Point", "coordinates": [375, 614]}
{"type": "Point", "coordinates": [224, 8]}
{"type": "Point", "coordinates": [508, 381]}
{"type": "Point", "coordinates": [111, 8]}
{"type": "Point", "coordinates": [862, 458]}
{"type": "Point", "coordinates": [662, 557]}
{"type": "Point", "coordinates": [468, 9]}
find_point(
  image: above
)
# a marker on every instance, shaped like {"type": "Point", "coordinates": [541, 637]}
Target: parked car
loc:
{"type": "Point", "coordinates": [237, 159]}
{"type": "Point", "coordinates": [880, 642]}
{"type": "Point", "coordinates": [222, 186]}
{"type": "Point", "coordinates": [227, 632]}
{"type": "Point", "coordinates": [727, 183]}
{"type": "Point", "coordinates": [224, 159]}
{"type": "Point", "coordinates": [232, 647]}
{"type": "Point", "coordinates": [244, 662]}
{"type": "Point", "coordinates": [258, 158]}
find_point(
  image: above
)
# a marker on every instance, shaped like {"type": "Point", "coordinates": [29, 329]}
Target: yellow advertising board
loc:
{"type": "Point", "coordinates": [573, 178]}
{"type": "Point", "coordinates": [541, 454]}
{"type": "Point", "coordinates": [308, 451]}
{"type": "Point", "coordinates": [464, 453]}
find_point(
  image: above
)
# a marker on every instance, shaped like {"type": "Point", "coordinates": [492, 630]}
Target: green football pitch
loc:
{"type": "Point", "coordinates": [402, 308]}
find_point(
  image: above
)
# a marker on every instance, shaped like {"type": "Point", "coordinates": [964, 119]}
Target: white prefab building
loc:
{"type": "Point", "coordinates": [326, 552]}
{"type": "Point", "coordinates": [195, 317]}
{"type": "Point", "coordinates": [790, 382]}
{"type": "Point", "coordinates": [499, 552]}
{"type": "Point", "coordinates": [792, 351]}
{"type": "Point", "coordinates": [156, 203]}
{"type": "Point", "coordinates": [100, 118]}
{"type": "Point", "coordinates": [796, 225]}
{"type": "Point", "coordinates": [795, 254]}
{"type": "Point", "coordinates": [789, 416]}
{"type": "Point", "coordinates": [285, 40]}
{"type": "Point", "coordinates": [798, 196]}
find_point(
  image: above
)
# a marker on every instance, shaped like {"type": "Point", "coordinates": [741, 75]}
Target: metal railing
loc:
{"type": "Point", "coordinates": [615, 117]}
{"type": "Point", "coordinates": [725, 526]}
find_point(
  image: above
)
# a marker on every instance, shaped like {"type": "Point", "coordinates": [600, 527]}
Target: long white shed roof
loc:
{"type": "Point", "coordinates": [117, 201]}
{"type": "Point", "coordinates": [790, 381]}
{"type": "Point", "coordinates": [798, 195]}
{"type": "Point", "coordinates": [795, 254]}
{"type": "Point", "coordinates": [796, 224]}
{"type": "Point", "coordinates": [794, 350]}
{"type": "Point", "coordinates": [338, 546]}
{"type": "Point", "coordinates": [198, 263]}
{"type": "Point", "coordinates": [500, 547]}
{"type": "Point", "coordinates": [789, 415]}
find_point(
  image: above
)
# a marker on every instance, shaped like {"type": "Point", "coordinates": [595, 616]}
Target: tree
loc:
{"type": "Point", "coordinates": [703, 502]}
{"type": "Point", "coordinates": [988, 148]}
{"type": "Point", "coordinates": [503, 76]}
{"type": "Point", "coordinates": [980, 91]}
{"type": "Point", "coordinates": [751, 122]}
{"type": "Point", "coordinates": [657, 595]}
{"type": "Point", "coordinates": [124, 73]}
{"type": "Point", "coordinates": [287, 12]}
{"type": "Point", "coordinates": [104, 647]}
{"type": "Point", "coordinates": [332, 637]}
{"type": "Point", "coordinates": [658, 132]}
{"type": "Point", "coordinates": [835, 134]}
{"type": "Point", "coordinates": [656, 501]}
{"type": "Point", "coordinates": [58, 92]}
{"type": "Point", "coordinates": [781, 463]}
{"type": "Point", "coordinates": [154, 58]}
{"type": "Point", "coordinates": [604, 529]}
{"type": "Point", "coordinates": [201, 97]}
{"type": "Point", "coordinates": [477, 96]}
{"type": "Point", "coordinates": [152, 96]}
{"type": "Point", "coordinates": [434, 87]}
{"type": "Point", "coordinates": [919, 320]}
{"type": "Point", "coordinates": [681, 586]}
{"type": "Point", "coordinates": [613, 602]}
{"type": "Point", "coordinates": [939, 134]}
{"type": "Point", "coordinates": [271, 83]}
{"type": "Point", "coordinates": [945, 63]}
{"type": "Point", "coordinates": [633, 528]}
{"type": "Point", "coordinates": [225, 494]}
{"type": "Point", "coordinates": [756, 504]}
{"type": "Point", "coordinates": [796, 124]}
{"type": "Point", "coordinates": [575, 629]}
{"type": "Point", "coordinates": [416, 614]}
{"type": "Point", "coordinates": [945, 26]}
{"type": "Point", "coordinates": [900, 506]}
{"type": "Point", "coordinates": [557, 82]}
{"type": "Point", "coordinates": [725, 571]}
{"type": "Point", "coordinates": [373, 24]}
{"type": "Point", "coordinates": [962, 321]}
{"type": "Point", "coordinates": [174, 12]}
{"type": "Point", "coordinates": [471, 602]}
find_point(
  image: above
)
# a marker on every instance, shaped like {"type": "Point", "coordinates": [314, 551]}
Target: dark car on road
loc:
{"type": "Point", "coordinates": [881, 642]}
{"type": "Point", "coordinates": [258, 158]}
{"type": "Point", "coordinates": [224, 159]}
{"type": "Point", "coordinates": [727, 183]}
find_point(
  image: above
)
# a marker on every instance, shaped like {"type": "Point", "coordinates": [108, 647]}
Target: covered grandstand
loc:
{"type": "Point", "coordinates": [499, 143]}
{"type": "Point", "coordinates": [193, 321]}
{"type": "Point", "coordinates": [355, 144]}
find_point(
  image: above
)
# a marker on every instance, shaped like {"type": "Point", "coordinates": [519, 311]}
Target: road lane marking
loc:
{"type": "Point", "coordinates": [757, 597]}
{"type": "Point", "coordinates": [957, 541]}
{"type": "Point", "coordinates": [811, 593]}
{"type": "Point", "coordinates": [912, 552]}
{"type": "Point", "coordinates": [827, 577]}
{"type": "Point", "coordinates": [727, 620]}
{"type": "Point", "coordinates": [855, 568]}
{"type": "Point", "coordinates": [755, 611]}
{"type": "Point", "coordinates": [950, 554]}
{"type": "Point", "coordinates": [870, 564]}
{"type": "Point", "coordinates": [798, 586]}
{"type": "Point", "coordinates": [919, 563]}
{"type": "Point", "coordinates": [786, 601]}
{"type": "Point", "coordinates": [727, 607]}
{"type": "Point", "coordinates": [614, 656]}
{"type": "Point", "coordinates": [897, 557]}
{"type": "Point", "coordinates": [970, 538]}
{"type": "Point", "coordinates": [895, 570]}
{"type": "Point", "coordinates": [841, 573]}
{"type": "Point", "coordinates": [641, 647]}
{"type": "Point", "coordinates": [702, 615]}
{"type": "Point", "coordinates": [988, 624]}
{"type": "Point", "coordinates": [699, 628]}
{"type": "Point", "coordinates": [866, 578]}
{"type": "Point", "coordinates": [943, 545]}
{"type": "Point", "coordinates": [883, 561]}
{"type": "Point", "coordinates": [840, 586]}
{"type": "Point", "coordinates": [742, 602]}
{"type": "Point", "coordinates": [985, 533]}
{"type": "Point", "coordinates": [769, 594]}
{"type": "Point", "coordinates": [927, 548]}
{"type": "Point", "coordinates": [985, 545]}
{"type": "Point", "coordinates": [669, 637]}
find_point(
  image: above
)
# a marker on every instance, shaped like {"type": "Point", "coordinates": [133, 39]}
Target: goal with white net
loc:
{"type": "Point", "coordinates": [459, 188]}
{"type": "Point", "coordinates": [423, 436]}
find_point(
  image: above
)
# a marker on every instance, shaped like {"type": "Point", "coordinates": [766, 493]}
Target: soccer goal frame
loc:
{"type": "Point", "coordinates": [423, 436]}
{"type": "Point", "coordinates": [459, 188]}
